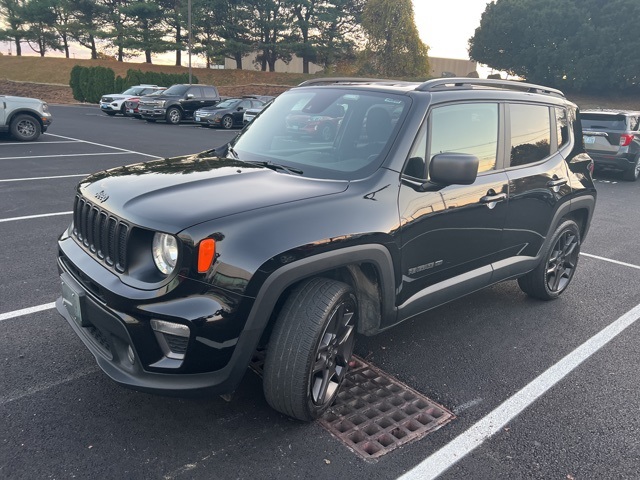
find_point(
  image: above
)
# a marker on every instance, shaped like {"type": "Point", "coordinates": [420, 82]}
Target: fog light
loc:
{"type": "Point", "coordinates": [173, 338]}
{"type": "Point", "coordinates": [130, 355]}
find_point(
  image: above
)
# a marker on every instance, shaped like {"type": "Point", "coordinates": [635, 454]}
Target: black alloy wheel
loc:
{"type": "Point", "coordinates": [554, 273]}
{"type": "Point", "coordinates": [310, 348]}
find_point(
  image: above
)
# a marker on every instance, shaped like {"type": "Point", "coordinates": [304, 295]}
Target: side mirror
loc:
{"type": "Point", "coordinates": [453, 169]}
{"type": "Point", "coordinates": [190, 96]}
{"type": "Point", "coordinates": [240, 109]}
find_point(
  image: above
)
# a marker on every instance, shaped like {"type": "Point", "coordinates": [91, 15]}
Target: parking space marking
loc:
{"type": "Point", "coordinates": [105, 146]}
{"type": "Point", "coordinates": [30, 217]}
{"type": "Point", "coordinates": [465, 443]}
{"type": "Point", "coordinates": [37, 143]}
{"type": "Point", "coordinates": [69, 155]}
{"type": "Point", "coordinates": [26, 311]}
{"type": "Point", "coordinates": [43, 178]}
{"type": "Point", "coordinates": [610, 260]}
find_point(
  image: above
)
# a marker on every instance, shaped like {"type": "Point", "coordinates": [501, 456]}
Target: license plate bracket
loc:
{"type": "Point", "coordinates": [73, 299]}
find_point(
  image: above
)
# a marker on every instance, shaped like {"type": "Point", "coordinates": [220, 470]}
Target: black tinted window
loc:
{"type": "Point", "coordinates": [195, 91]}
{"type": "Point", "coordinates": [562, 126]}
{"type": "Point", "coordinates": [530, 134]}
{"type": "Point", "coordinates": [210, 92]}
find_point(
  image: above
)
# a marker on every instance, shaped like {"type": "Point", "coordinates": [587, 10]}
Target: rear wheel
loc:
{"type": "Point", "coordinates": [310, 348]}
{"type": "Point", "coordinates": [25, 128]}
{"type": "Point", "coordinates": [634, 172]}
{"type": "Point", "coordinates": [559, 261]}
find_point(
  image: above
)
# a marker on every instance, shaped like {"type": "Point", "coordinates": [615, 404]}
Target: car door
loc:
{"type": "Point", "coordinates": [193, 100]}
{"type": "Point", "coordinates": [450, 235]}
{"type": "Point", "coordinates": [238, 112]}
{"type": "Point", "coordinates": [538, 178]}
{"type": "Point", "coordinates": [210, 96]}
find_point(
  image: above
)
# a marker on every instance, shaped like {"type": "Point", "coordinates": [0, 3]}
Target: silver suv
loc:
{"type": "Point", "coordinates": [612, 139]}
{"type": "Point", "coordinates": [25, 118]}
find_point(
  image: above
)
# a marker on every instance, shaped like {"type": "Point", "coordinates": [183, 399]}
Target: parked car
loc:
{"type": "Point", "coordinates": [178, 103]}
{"type": "Point", "coordinates": [251, 113]}
{"type": "Point", "coordinates": [321, 125]}
{"type": "Point", "coordinates": [175, 271]}
{"type": "Point", "coordinates": [131, 104]}
{"type": "Point", "coordinates": [228, 113]}
{"type": "Point", "coordinates": [113, 103]}
{"type": "Point", "coordinates": [24, 118]}
{"type": "Point", "coordinates": [612, 139]}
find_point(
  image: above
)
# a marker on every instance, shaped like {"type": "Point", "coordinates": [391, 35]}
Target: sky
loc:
{"type": "Point", "coordinates": [446, 25]}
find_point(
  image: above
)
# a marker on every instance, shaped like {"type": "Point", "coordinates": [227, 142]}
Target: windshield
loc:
{"type": "Point", "coordinates": [325, 132]}
{"type": "Point", "coordinates": [176, 90]}
{"type": "Point", "coordinates": [229, 103]}
{"type": "Point", "coordinates": [133, 91]}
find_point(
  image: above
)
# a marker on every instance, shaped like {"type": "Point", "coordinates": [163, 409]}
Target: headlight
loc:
{"type": "Point", "coordinates": [45, 107]}
{"type": "Point", "coordinates": [165, 252]}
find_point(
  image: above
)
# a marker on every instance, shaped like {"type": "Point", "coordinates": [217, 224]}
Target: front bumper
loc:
{"type": "Point", "coordinates": [107, 107]}
{"type": "Point", "coordinates": [131, 353]}
{"type": "Point", "coordinates": [156, 113]}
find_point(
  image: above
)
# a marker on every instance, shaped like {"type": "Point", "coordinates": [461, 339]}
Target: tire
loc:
{"type": "Point", "coordinates": [174, 116]}
{"type": "Point", "coordinates": [123, 110]}
{"type": "Point", "coordinates": [633, 173]}
{"type": "Point", "coordinates": [227, 122]}
{"type": "Point", "coordinates": [326, 133]}
{"type": "Point", "coordinates": [25, 128]}
{"type": "Point", "coordinates": [559, 262]}
{"type": "Point", "coordinates": [310, 348]}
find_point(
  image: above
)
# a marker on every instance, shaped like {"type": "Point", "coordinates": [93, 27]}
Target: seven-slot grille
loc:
{"type": "Point", "coordinates": [103, 234]}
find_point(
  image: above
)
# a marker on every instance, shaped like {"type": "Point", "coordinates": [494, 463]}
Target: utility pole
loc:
{"type": "Point", "coordinates": [189, 15]}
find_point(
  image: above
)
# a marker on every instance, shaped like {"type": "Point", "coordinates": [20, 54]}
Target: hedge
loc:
{"type": "Point", "coordinates": [88, 84]}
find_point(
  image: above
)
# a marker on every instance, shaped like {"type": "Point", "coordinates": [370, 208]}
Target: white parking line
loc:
{"type": "Point", "coordinates": [610, 260]}
{"type": "Point", "coordinates": [33, 144]}
{"type": "Point", "coordinates": [30, 217]}
{"type": "Point", "coordinates": [106, 146]}
{"type": "Point", "coordinates": [481, 431]}
{"type": "Point", "coordinates": [26, 311]}
{"type": "Point", "coordinates": [43, 178]}
{"type": "Point", "coordinates": [68, 155]}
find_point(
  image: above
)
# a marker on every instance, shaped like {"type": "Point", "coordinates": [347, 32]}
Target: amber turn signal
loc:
{"type": "Point", "coordinates": [206, 253]}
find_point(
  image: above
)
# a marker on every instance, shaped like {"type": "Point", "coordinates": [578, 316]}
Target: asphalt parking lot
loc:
{"type": "Point", "coordinates": [539, 389]}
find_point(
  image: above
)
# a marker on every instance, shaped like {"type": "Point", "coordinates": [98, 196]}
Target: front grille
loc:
{"type": "Point", "coordinates": [177, 344]}
{"type": "Point", "coordinates": [101, 233]}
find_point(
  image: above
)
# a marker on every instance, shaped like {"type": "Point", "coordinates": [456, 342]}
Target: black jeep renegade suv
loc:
{"type": "Point", "coordinates": [175, 271]}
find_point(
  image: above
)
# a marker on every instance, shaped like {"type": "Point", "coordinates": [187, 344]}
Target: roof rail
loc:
{"type": "Point", "coordinates": [439, 83]}
{"type": "Point", "coordinates": [352, 80]}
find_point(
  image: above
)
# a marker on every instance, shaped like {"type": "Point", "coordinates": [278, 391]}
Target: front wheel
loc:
{"type": "Point", "coordinates": [25, 128]}
{"type": "Point", "coordinates": [227, 122]}
{"type": "Point", "coordinates": [174, 115]}
{"type": "Point", "coordinates": [559, 261]}
{"type": "Point", "coordinates": [310, 348]}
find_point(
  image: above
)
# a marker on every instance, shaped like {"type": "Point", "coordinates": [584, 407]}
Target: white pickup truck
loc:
{"type": "Point", "coordinates": [25, 118]}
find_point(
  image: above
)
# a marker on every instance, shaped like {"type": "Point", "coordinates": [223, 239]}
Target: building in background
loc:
{"type": "Point", "coordinates": [452, 67]}
{"type": "Point", "coordinates": [294, 66]}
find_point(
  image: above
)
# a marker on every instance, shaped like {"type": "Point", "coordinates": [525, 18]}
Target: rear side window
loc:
{"type": "Point", "coordinates": [634, 123]}
{"type": "Point", "coordinates": [210, 92]}
{"type": "Point", "coordinates": [530, 134]}
{"type": "Point", "coordinates": [562, 126]}
{"type": "Point", "coordinates": [466, 128]}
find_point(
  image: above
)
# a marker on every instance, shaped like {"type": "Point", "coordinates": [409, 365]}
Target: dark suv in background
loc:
{"type": "Point", "coordinates": [174, 272]}
{"type": "Point", "coordinates": [612, 139]}
{"type": "Point", "coordinates": [177, 103]}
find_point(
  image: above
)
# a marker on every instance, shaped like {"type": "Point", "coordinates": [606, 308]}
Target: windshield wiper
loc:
{"type": "Point", "coordinates": [277, 166]}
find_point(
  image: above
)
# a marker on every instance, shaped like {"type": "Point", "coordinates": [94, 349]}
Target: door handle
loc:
{"type": "Point", "coordinates": [491, 198]}
{"type": "Point", "coordinates": [558, 182]}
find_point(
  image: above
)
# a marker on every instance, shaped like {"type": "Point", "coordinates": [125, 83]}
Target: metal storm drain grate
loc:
{"type": "Point", "coordinates": [375, 413]}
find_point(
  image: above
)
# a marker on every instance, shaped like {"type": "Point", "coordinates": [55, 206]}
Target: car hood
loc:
{"type": "Point", "coordinates": [173, 194]}
{"type": "Point", "coordinates": [21, 100]}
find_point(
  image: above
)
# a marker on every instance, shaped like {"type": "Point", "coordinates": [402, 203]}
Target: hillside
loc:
{"type": "Point", "coordinates": [48, 79]}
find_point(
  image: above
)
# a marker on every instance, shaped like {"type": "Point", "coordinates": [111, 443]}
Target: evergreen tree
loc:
{"type": "Point", "coordinates": [393, 46]}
